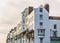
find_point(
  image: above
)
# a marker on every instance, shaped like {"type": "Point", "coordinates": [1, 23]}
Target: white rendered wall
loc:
{"type": "Point", "coordinates": [45, 26]}
{"type": "Point", "coordinates": [51, 26]}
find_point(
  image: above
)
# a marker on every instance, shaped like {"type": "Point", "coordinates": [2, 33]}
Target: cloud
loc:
{"type": "Point", "coordinates": [10, 12]}
{"type": "Point", "coordinates": [5, 28]}
{"type": "Point", "coordinates": [3, 38]}
{"type": "Point", "coordinates": [58, 0]}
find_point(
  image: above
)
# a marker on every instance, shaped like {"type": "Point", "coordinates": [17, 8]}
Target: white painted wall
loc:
{"type": "Point", "coordinates": [45, 25]}
{"type": "Point", "coordinates": [51, 26]}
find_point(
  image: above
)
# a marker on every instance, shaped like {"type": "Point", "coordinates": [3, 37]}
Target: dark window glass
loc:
{"type": "Point", "coordinates": [54, 18]}
{"type": "Point", "coordinates": [23, 27]}
{"type": "Point", "coordinates": [23, 14]}
{"type": "Point", "coordinates": [50, 17]}
{"type": "Point", "coordinates": [55, 33]}
{"type": "Point", "coordinates": [41, 31]}
{"type": "Point", "coordinates": [23, 21]}
{"type": "Point", "coordinates": [55, 26]}
{"type": "Point", "coordinates": [41, 9]}
{"type": "Point", "coordinates": [41, 23]}
{"type": "Point", "coordinates": [41, 16]}
{"type": "Point", "coordinates": [41, 40]}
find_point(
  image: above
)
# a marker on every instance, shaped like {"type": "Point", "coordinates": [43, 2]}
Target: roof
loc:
{"type": "Point", "coordinates": [54, 17]}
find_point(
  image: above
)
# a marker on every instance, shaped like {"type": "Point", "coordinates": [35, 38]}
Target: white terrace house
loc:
{"type": "Point", "coordinates": [37, 27]}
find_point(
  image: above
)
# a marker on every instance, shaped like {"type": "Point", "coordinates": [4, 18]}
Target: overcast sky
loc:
{"type": "Point", "coordinates": [10, 12]}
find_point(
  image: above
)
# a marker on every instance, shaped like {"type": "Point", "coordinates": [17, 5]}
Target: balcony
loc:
{"type": "Point", "coordinates": [41, 33]}
{"type": "Point", "coordinates": [53, 32]}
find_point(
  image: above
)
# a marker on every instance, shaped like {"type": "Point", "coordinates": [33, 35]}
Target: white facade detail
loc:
{"type": "Point", "coordinates": [36, 26]}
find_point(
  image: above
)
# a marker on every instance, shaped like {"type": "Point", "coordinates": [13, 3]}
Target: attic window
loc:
{"type": "Point", "coordinates": [41, 9]}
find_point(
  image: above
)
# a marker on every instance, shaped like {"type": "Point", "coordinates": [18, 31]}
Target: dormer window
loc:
{"type": "Point", "coordinates": [41, 10]}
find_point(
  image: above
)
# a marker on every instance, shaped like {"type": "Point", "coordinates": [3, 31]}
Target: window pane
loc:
{"type": "Point", "coordinates": [41, 23]}
{"type": "Point", "coordinates": [55, 33]}
{"type": "Point", "coordinates": [41, 9]}
{"type": "Point", "coordinates": [41, 17]}
{"type": "Point", "coordinates": [55, 26]}
{"type": "Point", "coordinates": [41, 40]}
{"type": "Point", "coordinates": [41, 32]}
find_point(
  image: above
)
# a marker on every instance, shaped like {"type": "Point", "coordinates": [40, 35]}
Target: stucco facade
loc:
{"type": "Point", "coordinates": [36, 26]}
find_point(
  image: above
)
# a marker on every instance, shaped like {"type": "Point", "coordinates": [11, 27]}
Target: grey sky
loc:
{"type": "Point", "coordinates": [10, 12]}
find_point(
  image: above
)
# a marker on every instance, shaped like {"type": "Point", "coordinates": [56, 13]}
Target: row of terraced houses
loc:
{"type": "Point", "coordinates": [36, 26]}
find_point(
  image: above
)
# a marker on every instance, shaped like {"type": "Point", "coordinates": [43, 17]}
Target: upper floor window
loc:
{"type": "Point", "coordinates": [41, 23]}
{"type": "Point", "coordinates": [41, 9]}
{"type": "Point", "coordinates": [23, 14]}
{"type": "Point", "coordinates": [23, 26]}
{"type": "Point", "coordinates": [41, 16]}
{"type": "Point", "coordinates": [55, 26]}
{"type": "Point", "coordinates": [55, 33]}
{"type": "Point", "coordinates": [23, 21]}
{"type": "Point", "coordinates": [41, 40]}
{"type": "Point", "coordinates": [41, 31]}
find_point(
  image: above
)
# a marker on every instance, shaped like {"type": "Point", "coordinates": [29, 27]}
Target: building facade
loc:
{"type": "Point", "coordinates": [36, 26]}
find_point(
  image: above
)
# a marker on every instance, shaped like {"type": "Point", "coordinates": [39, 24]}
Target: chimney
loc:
{"type": "Point", "coordinates": [46, 7]}
{"type": "Point", "coordinates": [30, 9]}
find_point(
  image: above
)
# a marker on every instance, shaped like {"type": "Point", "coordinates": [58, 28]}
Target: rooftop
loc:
{"type": "Point", "coordinates": [54, 17]}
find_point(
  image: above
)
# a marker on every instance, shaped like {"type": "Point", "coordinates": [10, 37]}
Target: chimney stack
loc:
{"type": "Point", "coordinates": [30, 9]}
{"type": "Point", "coordinates": [46, 7]}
